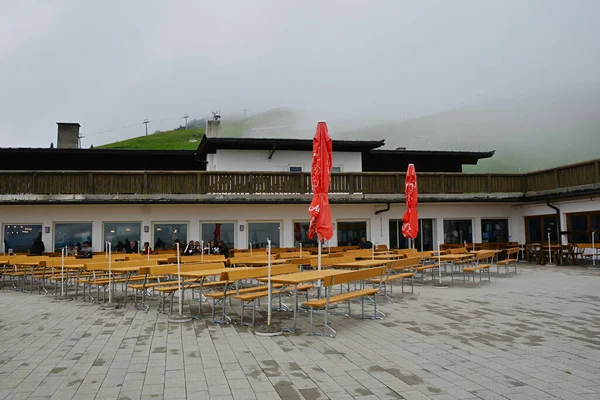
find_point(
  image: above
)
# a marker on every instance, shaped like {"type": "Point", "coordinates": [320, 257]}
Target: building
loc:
{"type": "Point", "coordinates": [247, 190]}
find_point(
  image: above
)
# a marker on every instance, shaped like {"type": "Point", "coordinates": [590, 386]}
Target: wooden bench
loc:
{"type": "Point", "coordinates": [346, 277]}
{"type": "Point", "coordinates": [398, 270]}
{"type": "Point", "coordinates": [512, 256]}
{"type": "Point", "coordinates": [482, 262]}
{"type": "Point", "coordinates": [231, 287]}
{"type": "Point", "coordinates": [163, 279]}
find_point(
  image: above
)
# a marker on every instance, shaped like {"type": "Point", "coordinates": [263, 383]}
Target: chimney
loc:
{"type": "Point", "coordinates": [213, 128]}
{"type": "Point", "coordinates": [68, 135]}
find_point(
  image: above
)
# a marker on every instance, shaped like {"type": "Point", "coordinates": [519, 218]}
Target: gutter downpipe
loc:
{"type": "Point", "coordinates": [558, 224]}
{"type": "Point", "coordinates": [378, 212]}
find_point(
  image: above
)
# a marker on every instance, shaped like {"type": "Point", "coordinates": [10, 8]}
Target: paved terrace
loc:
{"type": "Point", "coordinates": [533, 336]}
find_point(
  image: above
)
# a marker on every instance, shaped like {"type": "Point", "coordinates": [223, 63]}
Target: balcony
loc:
{"type": "Point", "coordinates": [21, 187]}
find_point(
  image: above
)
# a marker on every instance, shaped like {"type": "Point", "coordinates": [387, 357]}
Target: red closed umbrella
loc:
{"type": "Point", "coordinates": [320, 175]}
{"type": "Point", "coordinates": [410, 226]}
{"type": "Point", "coordinates": [217, 233]}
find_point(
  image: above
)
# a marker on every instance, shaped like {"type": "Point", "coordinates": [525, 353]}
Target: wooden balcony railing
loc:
{"type": "Point", "coordinates": [287, 183]}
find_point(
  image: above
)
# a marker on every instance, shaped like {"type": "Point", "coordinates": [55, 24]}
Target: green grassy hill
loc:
{"type": "Point", "coordinates": [179, 139]}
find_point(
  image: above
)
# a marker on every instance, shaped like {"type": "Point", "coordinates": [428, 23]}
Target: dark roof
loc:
{"type": "Point", "coordinates": [97, 159]}
{"type": "Point", "coordinates": [424, 160]}
{"type": "Point", "coordinates": [211, 145]}
{"type": "Point", "coordinates": [469, 154]}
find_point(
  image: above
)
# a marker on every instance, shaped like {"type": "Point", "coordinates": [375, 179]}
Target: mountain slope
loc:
{"type": "Point", "coordinates": [527, 133]}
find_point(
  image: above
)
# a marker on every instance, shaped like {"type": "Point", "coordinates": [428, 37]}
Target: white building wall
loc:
{"type": "Point", "coordinates": [377, 225]}
{"type": "Point", "coordinates": [566, 207]}
{"type": "Point", "coordinates": [258, 160]}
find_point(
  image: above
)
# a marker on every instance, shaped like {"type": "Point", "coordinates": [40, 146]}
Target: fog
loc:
{"type": "Point", "coordinates": [108, 65]}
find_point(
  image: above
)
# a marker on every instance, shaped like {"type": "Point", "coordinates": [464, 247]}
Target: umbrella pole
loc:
{"type": "Point", "coordinates": [202, 252]}
{"type": "Point", "coordinates": [111, 282]}
{"type": "Point", "coordinates": [550, 252]}
{"type": "Point", "coordinates": [250, 249]}
{"type": "Point", "coordinates": [180, 317]}
{"type": "Point", "coordinates": [270, 298]}
{"type": "Point", "coordinates": [62, 297]}
{"type": "Point", "coordinates": [439, 285]}
{"type": "Point", "coordinates": [319, 267]}
{"type": "Point", "coordinates": [300, 249]}
{"type": "Point", "coordinates": [268, 330]}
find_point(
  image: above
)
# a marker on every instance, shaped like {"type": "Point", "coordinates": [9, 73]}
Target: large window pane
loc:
{"type": "Point", "coordinates": [426, 228]}
{"type": "Point", "coordinates": [20, 237]}
{"type": "Point", "coordinates": [121, 233]}
{"type": "Point", "coordinates": [67, 234]}
{"type": "Point", "coordinates": [494, 230]}
{"type": "Point", "coordinates": [216, 231]}
{"type": "Point", "coordinates": [165, 235]}
{"type": "Point", "coordinates": [534, 229]}
{"type": "Point", "coordinates": [458, 231]}
{"type": "Point", "coordinates": [349, 233]}
{"type": "Point", "coordinates": [550, 227]}
{"type": "Point", "coordinates": [259, 232]}
{"type": "Point", "coordinates": [301, 235]}
{"type": "Point", "coordinates": [395, 235]}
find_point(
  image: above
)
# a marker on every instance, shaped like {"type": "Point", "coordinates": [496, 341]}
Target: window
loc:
{"type": "Point", "coordinates": [581, 225]}
{"type": "Point", "coordinates": [494, 230]}
{"type": "Point", "coordinates": [20, 237]}
{"type": "Point", "coordinates": [458, 231]}
{"type": "Point", "coordinates": [336, 168]}
{"type": "Point", "coordinates": [165, 234]}
{"type": "Point", "coordinates": [295, 168]}
{"type": "Point", "coordinates": [66, 234]}
{"type": "Point", "coordinates": [424, 240]}
{"type": "Point", "coordinates": [349, 233]}
{"type": "Point", "coordinates": [259, 232]}
{"type": "Point", "coordinates": [301, 235]}
{"type": "Point", "coordinates": [538, 227]}
{"type": "Point", "coordinates": [124, 232]}
{"type": "Point", "coordinates": [216, 231]}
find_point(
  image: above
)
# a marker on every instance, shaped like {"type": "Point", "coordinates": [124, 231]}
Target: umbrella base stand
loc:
{"type": "Point", "coordinates": [179, 318]}
{"type": "Point", "coordinates": [110, 306]}
{"type": "Point", "coordinates": [439, 284]}
{"type": "Point", "coordinates": [268, 331]}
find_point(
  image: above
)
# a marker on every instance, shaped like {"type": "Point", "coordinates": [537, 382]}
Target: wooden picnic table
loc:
{"type": "Point", "coordinates": [359, 264]}
{"type": "Point", "coordinates": [297, 278]}
{"type": "Point", "coordinates": [383, 257]}
{"type": "Point", "coordinates": [264, 263]}
{"type": "Point", "coordinates": [451, 257]}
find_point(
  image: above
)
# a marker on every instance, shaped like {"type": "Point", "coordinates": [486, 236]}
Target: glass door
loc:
{"type": "Point", "coordinates": [424, 240]}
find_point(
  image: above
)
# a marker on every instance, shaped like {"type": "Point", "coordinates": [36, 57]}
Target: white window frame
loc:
{"type": "Point", "coordinates": [70, 222]}
{"type": "Point", "coordinates": [235, 228]}
{"type": "Point", "coordinates": [120, 222]}
{"type": "Point", "coordinates": [472, 219]}
{"type": "Point", "coordinates": [367, 220]}
{"type": "Point", "coordinates": [152, 223]}
{"type": "Point", "coordinates": [248, 222]}
{"type": "Point", "coordinates": [18, 223]}
{"type": "Point", "coordinates": [506, 218]}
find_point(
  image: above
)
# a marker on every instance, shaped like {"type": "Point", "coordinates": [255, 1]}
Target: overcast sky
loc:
{"type": "Point", "coordinates": [109, 64]}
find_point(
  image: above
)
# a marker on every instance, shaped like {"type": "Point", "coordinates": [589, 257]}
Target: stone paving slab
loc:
{"type": "Point", "coordinates": [531, 336]}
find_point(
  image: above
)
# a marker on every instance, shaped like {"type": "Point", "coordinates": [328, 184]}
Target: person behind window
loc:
{"type": "Point", "coordinates": [71, 250]}
{"type": "Point", "coordinates": [223, 249]}
{"type": "Point", "coordinates": [38, 246]}
{"type": "Point", "coordinates": [86, 250]}
{"type": "Point", "coordinates": [197, 248]}
{"type": "Point", "coordinates": [159, 245]}
{"type": "Point", "coordinates": [147, 249]}
{"type": "Point", "coordinates": [365, 244]}
{"type": "Point", "coordinates": [132, 248]}
{"type": "Point", "coordinates": [190, 249]}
